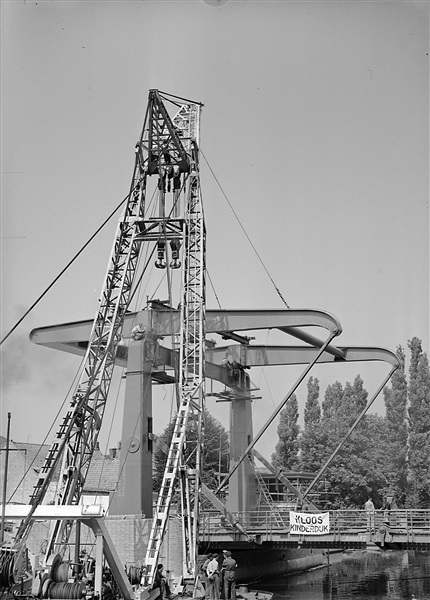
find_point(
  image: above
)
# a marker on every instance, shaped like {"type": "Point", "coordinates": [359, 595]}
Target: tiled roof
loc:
{"type": "Point", "coordinates": [21, 478]}
{"type": "Point", "coordinates": [102, 475]}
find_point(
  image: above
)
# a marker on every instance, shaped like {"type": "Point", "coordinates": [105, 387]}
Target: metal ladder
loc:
{"type": "Point", "coordinates": [272, 507]}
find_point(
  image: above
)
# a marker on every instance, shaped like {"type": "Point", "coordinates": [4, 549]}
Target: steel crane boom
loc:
{"type": "Point", "coordinates": [191, 375]}
{"type": "Point", "coordinates": [76, 438]}
{"type": "Point", "coordinates": [167, 149]}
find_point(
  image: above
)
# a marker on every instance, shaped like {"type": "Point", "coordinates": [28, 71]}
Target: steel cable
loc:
{"type": "Point", "coordinates": [69, 264]}
{"type": "Point", "coordinates": [246, 235]}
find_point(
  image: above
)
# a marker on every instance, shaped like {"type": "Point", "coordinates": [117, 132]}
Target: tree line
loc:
{"type": "Point", "coordinates": [383, 456]}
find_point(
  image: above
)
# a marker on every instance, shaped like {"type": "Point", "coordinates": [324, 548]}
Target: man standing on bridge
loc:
{"type": "Point", "coordinates": [369, 507]}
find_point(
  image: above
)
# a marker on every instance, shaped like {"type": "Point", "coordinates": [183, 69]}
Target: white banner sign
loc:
{"type": "Point", "coordinates": [309, 524]}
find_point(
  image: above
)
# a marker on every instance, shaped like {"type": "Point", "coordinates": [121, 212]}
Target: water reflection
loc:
{"type": "Point", "coordinates": [361, 575]}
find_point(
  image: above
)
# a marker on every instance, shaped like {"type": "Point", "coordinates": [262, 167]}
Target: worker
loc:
{"type": "Point", "coordinates": [213, 577]}
{"type": "Point", "coordinates": [369, 507]}
{"type": "Point", "coordinates": [228, 370]}
{"type": "Point", "coordinates": [161, 582]}
{"type": "Point", "coordinates": [205, 573]}
{"type": "Point", "coordinates": [235, 365]}
{"type": "Point", "coordinates": [228, 570]}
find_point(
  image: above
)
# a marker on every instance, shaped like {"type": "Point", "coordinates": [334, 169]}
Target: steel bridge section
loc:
{"type": "Point", "coordinates": [401, 529]}
{"type": "Point", "coordinates": [73, 337]}
{"type": "Point", "coordinates": [166, 322]}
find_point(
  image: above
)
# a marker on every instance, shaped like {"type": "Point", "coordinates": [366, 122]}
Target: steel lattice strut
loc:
{"type": "Point", "coordinates": [167, 149]}
{"type": "Point", "coordinates": [191, 363]}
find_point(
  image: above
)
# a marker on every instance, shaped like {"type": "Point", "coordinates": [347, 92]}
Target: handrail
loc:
{"type": "Point", "coordinates": [410, 522]}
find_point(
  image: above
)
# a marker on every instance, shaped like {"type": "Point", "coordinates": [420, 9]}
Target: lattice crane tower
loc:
{"type": "Point", "coordinates": [191, 369]}
{"type": "Point", "coordinates": [167, 151]}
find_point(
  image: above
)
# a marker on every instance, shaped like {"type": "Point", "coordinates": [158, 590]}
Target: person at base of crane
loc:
{"type": "Point", "coordinates": [212, 571]}
{"type": "Point", "coordinates": [228, 570]}
{"type": "Point", "coordinates": [369, 507]}
{"type": "Point", "coordinates": [205, 574]}
{"type": "Point", "coordinates": [161, 582]}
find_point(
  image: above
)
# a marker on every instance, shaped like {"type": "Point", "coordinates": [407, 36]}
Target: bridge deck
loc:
{"type": "Point", "coordinates": [347, 529]}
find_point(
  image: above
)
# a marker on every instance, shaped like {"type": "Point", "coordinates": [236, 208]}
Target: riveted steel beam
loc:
{"type": "Point", "coordinates": [73, 337]}
{"type": "Point", "coordinates": [259, 356]}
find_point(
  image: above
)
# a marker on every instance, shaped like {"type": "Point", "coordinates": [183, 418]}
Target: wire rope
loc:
{"type": "Point", "coordinates": [27, 312]}
{"type": "Point", "coordinates": [213, 289]}
{"type": "Point", "coordinates": [148, 256]}
{"type": "Point", "coordinates": [59, 411]}
{"type": "Point", "coordinates": [111, 425]}
{"type": "Point", "coordinates": [245, 233]}
{"type": "Point", "coordinates": [31, 308]}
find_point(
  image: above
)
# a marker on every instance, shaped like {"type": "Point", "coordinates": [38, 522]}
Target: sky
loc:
{"type": "Point", "coordinates": [315, 125]}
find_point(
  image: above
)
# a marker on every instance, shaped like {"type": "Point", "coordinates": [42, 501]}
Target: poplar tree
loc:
{"type": "Point", "coordinates": [354, 399]}
{"type": "Point", "coordinates": [312, 414]}
{"type": "Point", "coordinates": [419, 427]}
{"type": "Point", "coordinates": [329, 424]}
{"type": "Point", "coordinates": [287, 448]}
{"type": "Point", "coordinates": [395, 433]}
{"type": "Point", "coordinates": [311, 441]}
{"type": "Point", "coordinates": [332, 400]}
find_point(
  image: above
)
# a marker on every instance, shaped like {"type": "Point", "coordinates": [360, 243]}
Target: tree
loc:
{"type": "Point", "coordinates": [355, 471]}
{"type": "Point", "coordinates": [395, 433]}
{"type": "Point", "coordinates": [419, 427]}
{"type": "Point", "coordinates": [311, 441]}
{"type": "Point", "coordinates": [287, 448]}
{"type": "Point", "coordinates": [375, 458]}
{"type": "Point", "coordinates": [312, 408]}
{"type": "Point", "coordinates": [216, 445]}
{"type": "Point", "coordinates": [354, 399]}
{"type": "Point", "coordinates": [329, 425]}
{"type": "Point", "coordinates": [332, 399]}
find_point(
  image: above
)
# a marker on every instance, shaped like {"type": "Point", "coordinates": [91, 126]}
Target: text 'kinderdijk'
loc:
{"type": "Point", "coordinates": [309, 524]}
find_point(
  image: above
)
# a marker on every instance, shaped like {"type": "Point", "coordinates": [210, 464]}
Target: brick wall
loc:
{"type": "Point", "coordinates": [130, 535]}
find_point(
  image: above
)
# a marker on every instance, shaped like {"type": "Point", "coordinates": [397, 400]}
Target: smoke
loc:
{"type": "Point", "coordinates": [22, 362]}
{"type": "Point", "coordinates": [34, 384]}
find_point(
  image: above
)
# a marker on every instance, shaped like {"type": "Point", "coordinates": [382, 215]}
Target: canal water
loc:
{"type": "Point", "coordinates": [361, 575]}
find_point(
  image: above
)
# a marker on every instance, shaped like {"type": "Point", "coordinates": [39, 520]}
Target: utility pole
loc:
{"type": "Point", "coordinates": [6, 465]}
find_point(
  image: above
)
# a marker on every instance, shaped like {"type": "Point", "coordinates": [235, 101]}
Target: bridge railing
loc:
{"type": "Point", "coordinates": [342, 522]}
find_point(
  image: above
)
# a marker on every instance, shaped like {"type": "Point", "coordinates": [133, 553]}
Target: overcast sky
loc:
{"type": "Point", "coordinates": [315, 123]}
